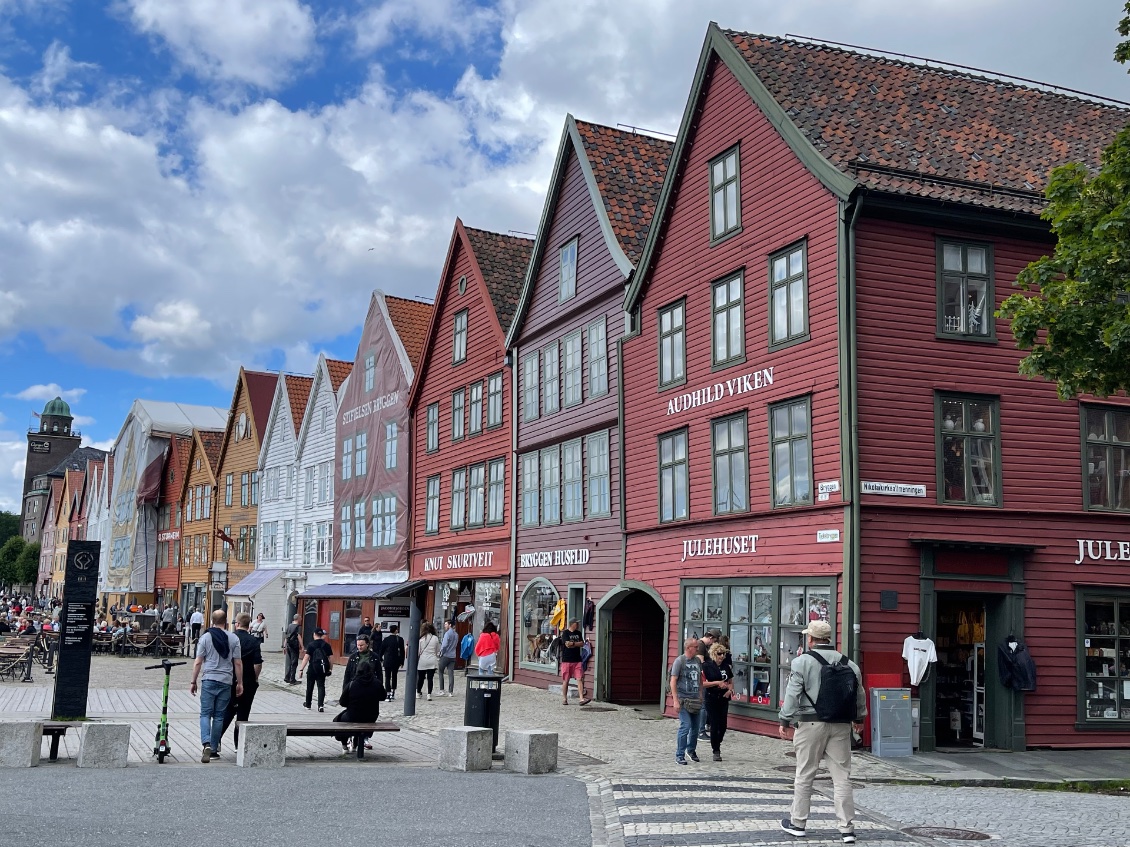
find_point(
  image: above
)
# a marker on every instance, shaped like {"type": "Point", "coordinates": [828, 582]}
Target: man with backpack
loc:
{"type": "Point", "coordinates": [824, 698]}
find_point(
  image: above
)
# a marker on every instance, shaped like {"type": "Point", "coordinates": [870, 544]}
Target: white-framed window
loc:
{"type": "Point", "coordinates": [325, 420]}
{"type": "Point", "coordinates": [494, 400]}
{"type": "Point", "coordinates": [672, 345]}
{"type": "Point", "coordinates": [599, 478]}
{"type": "Point", "coordinates": [459, 341]}
{"type": "Point", "coordinates": [384, 520]}
{"type": "Point", "coordinates": [530, 388]}
{"type": "Point", "coordinates": [325, 482]}
{"type": "Point", "coordinates": [433, 428]}
{"type": "Point", "coordinates": [269, 540]}
{"type": "Point", "coordinates": [207, 501]}
{"type": "Point", "coordinates": [360, 526]}
{"type": "Point", "coordinates": [458, 416]}
{"type": "Point", "coordinates": [572, 347]}
{"type": "Point", "coordinates": [346, 526]}
{"type": "Point", "coordinates": [291, 481]}
{"type": "Point", "coordinates": [370, 371]}
{"type": "Point", "coordinates": [307, 543]}
{"type": "Point", "coordinates": [567, 278]}
{"type": "Point", "coordinates": [287, 538]}
{"type": "Point", "coordinates": [550, 379]}
{"type": "Point", "coordinates": [431, 519]}
{"type": "Point", "coordinates": [725, 205]}
{"type": "Point", "coordinates": [347, 458]}
{"type": "Point", "coordinates": [531, 510]}
{"type": "Point", "coordinates": [551, 485]}
{"type": "Point", "coordinates": [308, 492]}
{"type": "Point", "coordinates": [325, 541]}
{"type": "Point", "coordinates": [391, 439]}
{"type": "Point", "coordinates": [598, 358]}
{"type": "Point", "coordinates": [572, 472]}
{"type": "Point", "coordinates": [476, 495]}
{"type": "Point", "coordinates": [459, 498]}
{"type": "Point", "coordinates": [496, 491]}
{"type": "Point", "coordinates": [361, 454]}
{"type": "Point", "coordinates": [475, 409]}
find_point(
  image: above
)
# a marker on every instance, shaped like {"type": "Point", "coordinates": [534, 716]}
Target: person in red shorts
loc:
{"type": "Point", "coordinates": [572, 640]}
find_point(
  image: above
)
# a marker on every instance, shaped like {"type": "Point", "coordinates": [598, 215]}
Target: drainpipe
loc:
{"type": "Point", "coordinates": [512, 604]}
{"type": "Point", "coordinates": [853, 422]}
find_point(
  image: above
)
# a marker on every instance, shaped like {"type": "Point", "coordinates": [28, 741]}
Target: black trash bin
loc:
{"type": "Point", "coordinates": [484, 696]}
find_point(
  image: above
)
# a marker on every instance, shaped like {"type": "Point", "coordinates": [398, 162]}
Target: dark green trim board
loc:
{"type": "Point", "coordinates": [940, 241]}
{"type": "Point", "coordinates": [939, 450]}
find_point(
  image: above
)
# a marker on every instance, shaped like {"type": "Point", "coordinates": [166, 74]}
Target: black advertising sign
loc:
{"type": "Point", "coordinates": [76, 633]}
{"type": "Point", "coordinates": [394, 610]}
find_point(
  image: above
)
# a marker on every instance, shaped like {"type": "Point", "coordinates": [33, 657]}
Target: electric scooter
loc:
{"type": "Point", "coordinates": [162, 747]}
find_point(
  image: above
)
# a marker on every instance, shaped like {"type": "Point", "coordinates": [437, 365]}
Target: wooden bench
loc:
{"type": "Point", "coordinates": [326, 729]}
{"type": "Point", "coordinates": [56, 729]}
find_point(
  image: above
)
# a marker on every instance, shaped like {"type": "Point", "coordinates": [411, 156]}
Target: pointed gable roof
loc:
{"type": "Point", "coordinates": [410, 319]}
{"type": "Point", "coordinates": [211, 444]}
{"type": "Point", "coordinates": [502, 261]}
{"type": "Point", "coordinates": [338, 371]}
{"type": "Point", "coordinates": [298, 395]}
{"type": "Point", "coordinates": [260, 393]}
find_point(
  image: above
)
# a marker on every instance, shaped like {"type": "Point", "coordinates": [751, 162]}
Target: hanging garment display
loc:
{"type": "Point", "coordinates": [919, 654]}
{"type": "Point", "coordinates": [1017, 669]}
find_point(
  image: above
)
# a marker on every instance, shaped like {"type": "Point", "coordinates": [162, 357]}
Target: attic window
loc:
{"type": "Point", "coordinates": [463, 285]}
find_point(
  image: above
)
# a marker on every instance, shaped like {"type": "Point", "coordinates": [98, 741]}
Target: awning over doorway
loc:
{"type": "Point", "coordinates": [362, 590]}
{"type": "Point", "coordinates": [990, 542]}
{"type": "Point", "coordinates": [254, 582]}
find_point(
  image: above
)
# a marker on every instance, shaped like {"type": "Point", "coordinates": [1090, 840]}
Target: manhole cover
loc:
{"type": "Point", "coordinates": [947, 832]}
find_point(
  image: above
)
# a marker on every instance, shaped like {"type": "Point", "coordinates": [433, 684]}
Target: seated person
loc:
{"type": "Point", "coordinates": [362, 700]}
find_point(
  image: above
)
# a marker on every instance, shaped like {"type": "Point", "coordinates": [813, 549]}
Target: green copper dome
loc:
{"type": "Point", "coordinates": [57, 408]}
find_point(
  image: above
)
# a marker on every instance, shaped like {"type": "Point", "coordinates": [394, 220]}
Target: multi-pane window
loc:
{"type": "Point", "coordinates": [725, 210]}
{"type": "Point", "coordinates": [458, 419]}
{"type": "Point", "coordinates": [496, 491]}
{"type": "Point", "coordinates": [572, 473]}
{"type": "Point", "coordinates": [791, 451]}
{"type": "Point", "coordinates": [1107, 461]}
{"type": "Point", "coordinates": [346, 526]}
{"type": "Point", "coordinates": [598, 358]}
{"type": "Point", "coordinates": [240, 550]}
{"type": "Point", "coordinates": [433, 427]}
{"type": "Point", "coordinates": [968, 450]}
{"type": "Point", "coordinates": [476, 496]}
{"type": "Point", "coordinates": [550, 379]}
{"type": "Point", "coordinates": [431, 519]}
{"type": "Point", "coordinates": [551, 486]}
{"type": "Point", "coordinates": [227, 544]}
{"type": "Point", "coordinates": [494, 400]}
{"type": "Point", "coordinates": [207, 501]}
{"type": "Point", "coordinates": [254, 488]}
{"type": "Point", "coordinates": [360, 527]}
{"type": "Point", "coordinates": [269, 540]}
{"type": "Point", "coordinates": [460, 337]}
{"type": "Point", "coordinates": [244, 489]}
{"type": "Point", "coordinates": [347, 458]}
{"type": "Point", "coordinates": [788, 296]}
{"type": "Point", "coordinates": [384, 520]}
{"type": "Point", "coordinates": [1105, 652]}
{"type": "Point", "coordinates": [251, 548]}
{"type": "Point", "coordinates": [325, 542]}
{"type": "Point", "coordinates": [361, 454]}
{"type": "Point", "coordinates": [227, 490]}
{"type": "Point", "coordinates": [325, 482]}
{"type": "Point", "coordinates": [459, 498]}
{"type": "Point", "coordinates": [530, 492]}
{"type": "Point", "coordinates": [287, 538]}
{"type": "Point", "coordinates": [596, 448]}
{"type": "Point", "coordinates": [392, 436]}
{"type": "Point", "coordinates": [530, 387]}
{"type": "Point", "coordinates": [731, 464]}
{"type": "Point", "coordinates": [672, 345]}
{"type": "Point", "coordinates": [370, 371]}
{"type": "Point", "coordinates": [572, 345]}
{"type": "Point", "coordinates": [567, 280]}
{"type": "Point", "coordinates": [308, 488]}
{"type": "Point", "coordinates": [729, 340]}
{"type": "Point", "coordinates": [673, 476]}
{"type": "Point", "coordinates": [475, 409]}
{"type": "Point", "coordinates": [965, 290]}
{"type": "Point", "coordinates": [307, 543]}
{"type": "Point", "coordinates": [198, 502]}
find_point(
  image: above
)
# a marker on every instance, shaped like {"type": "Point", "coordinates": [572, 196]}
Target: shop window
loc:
{"type": "Point", "coordinates": [728, 338]}
{"type": "Point", "coordinates": [1107, 458]}
{"type": "Point", "coordinates": [551, 486]}
{"type": "Point", "coordinates": [496, 492]}
{"type": "Point", "coordinates": [572, 354]}
{"type": "Point", "coordinates": [731, 464]}
{"type": "Point", "coordinates": [530, 387]}
{"type": "Point", "coordinates": [458, 421]}
{"type": "Point", "coordinates": [459, 342]}
{"type": "Point", "coordinates": [352, 626]}
{"type": "Point", "coordinates": [672, 346]}
{"type": "Point", "coordinates": [1105, 651]}
{"type": "Point", "coordinates": [673, 477]}
{"type": "Point", "coordinates": [965, 291]}
{"type": "Point", "coordinates": [598, 358]}
{"type": "Point", "coordinates": [567, 278]}
{"type": "Point", "coordinates": [459, 498]}
{"type": "Point", "coordinates": [475, 417]}
{"type": "Point", "coordinates": [596, 447]}
{"type": "Point", "coordinates": [550, 379]}
{"type": "Point", "coordinates": [763, 622]}
{"type": "Point", "coordinates": [538, 602]}
{"type": "Point", "coordinates": [494, 400]}
{"type": "Point", "coordinates": [968, 449]}
{"type": "Point", "coordinates": [791, 453]}
{"type": "Point", "coordinates": [788, 296]}
{"type": "Point", "coordinates": [531, 508]}
{"type": "Point", "coordinates": [431, 520]}
{"type": "Point", "coordinates": [476, 496]}
{"type": "Point", "coordinates": [725, 208]}
{"type": "Point", "coordinates": [572, 472]}
{"type": "Point", "coordinates": [384, 520]}
{"type": "Point", "coordinates": [433, 428]}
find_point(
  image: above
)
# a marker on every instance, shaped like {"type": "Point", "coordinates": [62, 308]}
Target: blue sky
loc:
{"type": "Point", "coordinates": [191, 186]}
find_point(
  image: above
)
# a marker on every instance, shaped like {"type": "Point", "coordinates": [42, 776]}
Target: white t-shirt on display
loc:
{"type": "Point", "coordinates": [919, 653]}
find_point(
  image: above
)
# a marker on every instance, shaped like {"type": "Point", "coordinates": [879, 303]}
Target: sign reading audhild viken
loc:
{"type": "Point", "coordinates": [744, 384]}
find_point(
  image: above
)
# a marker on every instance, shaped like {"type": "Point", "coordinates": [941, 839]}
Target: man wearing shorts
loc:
{"type": "Point", "coordinates": [572, 640]}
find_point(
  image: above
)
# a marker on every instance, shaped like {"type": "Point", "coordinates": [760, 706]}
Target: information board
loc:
{"type": "Point", "coordinates": [76, 634]}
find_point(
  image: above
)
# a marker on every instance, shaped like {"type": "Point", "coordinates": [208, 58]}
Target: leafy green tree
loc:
{"type": "Point", "coordinates": [1122, 50]}
{"type": "Point", "coordinates": [27, 565]}
{"type": "Point", "coordinates": [9, 526]}
{"type": "Point", "coordinates": [9, 557]}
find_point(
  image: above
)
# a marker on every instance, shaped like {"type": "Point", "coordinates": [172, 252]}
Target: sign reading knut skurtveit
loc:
{"type": "Point", "coordinates": [459, 561]}
{"type": "Point", "coordinates": [76, 633]}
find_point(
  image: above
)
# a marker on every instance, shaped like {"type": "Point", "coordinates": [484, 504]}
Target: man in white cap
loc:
{"type": "Point", "coordinates": [823, 723]}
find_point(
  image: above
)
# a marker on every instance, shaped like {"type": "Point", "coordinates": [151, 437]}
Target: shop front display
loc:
{"type": "Point", "coordinates": [1105, 650]}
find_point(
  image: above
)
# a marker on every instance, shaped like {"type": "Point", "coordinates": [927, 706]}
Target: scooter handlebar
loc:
{"type": "Point", "coordinates": [164, 666]}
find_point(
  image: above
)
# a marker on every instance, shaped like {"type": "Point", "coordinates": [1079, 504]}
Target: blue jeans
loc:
{"type": "Point", "coordinates": [214, 699]}
{"type": "Point", "coordinates": [687, 738]}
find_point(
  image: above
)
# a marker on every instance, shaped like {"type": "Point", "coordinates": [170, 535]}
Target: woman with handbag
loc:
{"type": "Point", "coordinates": [429, 658]}
{"type": "Point", "coordinates": [717, 687]}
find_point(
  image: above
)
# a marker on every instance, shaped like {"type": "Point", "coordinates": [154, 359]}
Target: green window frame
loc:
{"type": "Point", "coordinates": [790, 452]}
{"type": "Point", "coordinates": [572, 393]}
{"type": "Point", "coordinates": [433, 428]}
{"type": "Point", "coordinates": [674, 477]}
{"type": "Point", "coordinates": [458, 417]}
{"type": "Point", "coordinates": [475, 409]}
{"type": "Point", "coordinates": [567, 278]}
{"type": "Point", "coordinates": [599, 474]}
{"type": "Point", "coordinates": [476, 494]}
{"type": "Point", "coordinates": [788, 296]}
{"type": "Point", "coordinates": [550, 378]}
{"type": "Point", "coordinates": [531, 491]}
{"type": "Point", "coordinates": [551, 486]}
{"type": "Point", "coordinates": [573, 481]}
{"type": "Point", "coordinates": [968, 449]}
{"type": "Point", "coordinates": [725, 194]}
{"type": "Point", "coordinates": [597, 333]}
{"type": "Point", "coordinates": [966, 291]}
{"type": "Point", "coordinates": [459, 498]}
{"type": "Point", "coordinates": [494, 400]}
{"type": "Point", "coordinates": [730, 448]}
{"type": "Point", "coordinates": [531, 389]}
{"type": "Point", "coordinates": [496, 492]}
{"type": "Point", "coordinates": [1106, 458]}
{"type": "Point", "coordinates": [673, 344]}
{"type": "Point", "coordinates": [727, 333]}
{"type": "Point", "coordinates": [459, 337]}
{"type": "Point", "coordinates": [1103, 627]}
{"type": "Point", "coordinates": [431, 518]}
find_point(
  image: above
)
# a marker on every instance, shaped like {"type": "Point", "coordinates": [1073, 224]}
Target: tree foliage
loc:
{"type": "Point", "coordinates": [27, 565]}
{"type": "Point", "coordinates": [1122, 50]}
{"type": "Point", "coordinates": [9, 526]}
{"type": "Point", "coordinates": [1074, 314]}
{"type": "Point", "coordinates": [9, 560]}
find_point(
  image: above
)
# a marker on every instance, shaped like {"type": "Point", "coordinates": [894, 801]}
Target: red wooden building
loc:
{"type": "Point", "coordinates": [826, 418]}
{"type": "Point", "coordinates": [569, 541]}
{"type": "Point", "coordinates": [167, 573]}
{"type": "Point", "coordinates": [460, 409]}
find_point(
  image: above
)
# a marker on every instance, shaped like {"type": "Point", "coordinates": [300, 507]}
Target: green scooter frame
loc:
{"type": "Point", "coordinates": [161, 743]}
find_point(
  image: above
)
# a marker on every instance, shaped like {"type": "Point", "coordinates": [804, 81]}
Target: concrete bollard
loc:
{"type": "Point", "coordinates": [103, 745]}
{"type": "Point", "coordinates": [531, 751]}
{"type": "Point", "coordinates": [20, 743]}
{"type": "Point", "coordinates": [465, 748]}
{"type": "Point", "coordinates": [261, 745]}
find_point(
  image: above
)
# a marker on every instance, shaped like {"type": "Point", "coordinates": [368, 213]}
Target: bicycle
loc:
{"type": "Point", "coordinates": [162, 748]}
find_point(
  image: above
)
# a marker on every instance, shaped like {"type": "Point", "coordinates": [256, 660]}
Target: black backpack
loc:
{"type": "Point", "coordinates": [838, 687]}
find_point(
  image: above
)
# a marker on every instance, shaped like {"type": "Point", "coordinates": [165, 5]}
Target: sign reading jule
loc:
{"type": "Point", "coordinates": [76, 633]}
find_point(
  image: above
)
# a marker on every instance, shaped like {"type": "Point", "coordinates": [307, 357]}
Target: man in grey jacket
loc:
{"type": "Point", "coordinates": [814, 739]}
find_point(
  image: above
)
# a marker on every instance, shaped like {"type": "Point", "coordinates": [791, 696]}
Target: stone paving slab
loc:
{"type": "Point", "coordinates": [1033, 765]}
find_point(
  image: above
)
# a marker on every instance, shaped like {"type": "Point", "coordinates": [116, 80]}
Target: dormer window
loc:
{"type": "Point", "coordinates": [567, 281]}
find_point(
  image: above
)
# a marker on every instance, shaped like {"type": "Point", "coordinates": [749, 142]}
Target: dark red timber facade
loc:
{"type": "Point", "coordinates": [460, 407]}
{"type": "Point", "coordinates": [899, 476]}
{"type": "Point", "coordinates": [166, 579]}
{"type": "Point", "coordinates": [569, 539]}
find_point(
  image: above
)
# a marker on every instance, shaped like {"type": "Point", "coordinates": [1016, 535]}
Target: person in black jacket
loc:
{"type": "Point", "coordinates": [239, 707]}
{"type": "Point", "coordinates": [318, 656]}
{"type": "Point", "coordinates": [392, 658]}
{"type": "Point", "coordinates": [364, 654]}
{"type": "Point", "coordinates": [362, 700]}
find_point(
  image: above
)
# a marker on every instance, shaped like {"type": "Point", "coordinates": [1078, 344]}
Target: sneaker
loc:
{"type": "Point", "coordinates": [679, 760]}
{"type": "Point", "coordinates": [792, 828]}
{"type": "Point", "coordinates": [429, 696]}
{"type": "Point", "coordinates": [206, 755]}
{"type": "Point", "coordinates": [704, 734]}
{"type": "Point", "coordinates": [345, 749]}
{"type": "Point", "coordinates": [305, 705]}
{"type": "Point", "coordinates": [321, 709]}
{"type": "Point", "coordinates": [693, 755]}
{"type": "Point", "coordinates": [717, 757]}
{"type": "Point", "coordinates": [848, 837]}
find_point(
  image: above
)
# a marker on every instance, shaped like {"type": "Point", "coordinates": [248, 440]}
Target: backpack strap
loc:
{"type": "Point", "coordinates": [822, 661]}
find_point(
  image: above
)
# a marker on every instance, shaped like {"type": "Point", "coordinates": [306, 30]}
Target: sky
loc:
{"type": "Point", "coordinates": [191, 186]}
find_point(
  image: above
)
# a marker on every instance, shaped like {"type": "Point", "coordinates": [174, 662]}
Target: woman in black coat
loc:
{"type": "Point", "coordinates": [362, 700]}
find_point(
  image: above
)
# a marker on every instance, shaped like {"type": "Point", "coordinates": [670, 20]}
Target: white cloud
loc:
{"type": "Point", "coordinates": [245, 41]}
{"type": "Point", "coordinates": [449, 22]}
{"type": "Point", "coordinates": [106, 444]}
{"type": "Point", "coordinates": [58, 66]}
{"type": "Point", "coordinates": [49, 392]}
{"type": "Point", "coordinates": [12, 457]}
{"type": "Point", "coordinates": [84, 420]}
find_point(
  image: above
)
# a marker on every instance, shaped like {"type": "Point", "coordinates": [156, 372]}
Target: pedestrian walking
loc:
{"type": "Point", "coordinates": [363, 655]}
{"type": "Point", "coordinates": [239, 708]}
{"type": "Point", "coordinates": [219, 667]}
{"type": "Point", "coordinates": [718, 688]}
{"type": "Point", "coordinates": [259, 628]}
{"type": "Point", "coordinates": [392, 658]}
{"type": "Point", "coordinates": [362, 701]}
{"type": "Point", "coordinates": [448, 647]}
{"type": "Point", "coordinates": [366, 629]}
{"type": "Point", "coordinates": [572, 640]}
{"type": "Point", "coordinates": [196, 622]}
{"type": "Point", "coordinates": [319, 656]}
{"type": "Point", "coordinates": [686, 691]}
{"type": "Point", "coordinates": [169, 619]}
{"type": "Point", "coordinates": [824, 698]}
{"type": "Point", "coordinates": [708, 640]}
{"type": "Point", "coordinates": [486, 648]}
{"type": "Point", "coordinates": [292, 644]}
{"type": "Point", "coordinates": [428, 659]}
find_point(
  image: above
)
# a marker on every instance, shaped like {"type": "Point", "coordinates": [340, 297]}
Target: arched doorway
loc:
{"type": "Point", "coordinates": [633, 631]}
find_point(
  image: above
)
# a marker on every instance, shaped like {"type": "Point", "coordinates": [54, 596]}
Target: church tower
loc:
{"type": "Point", "coordinates": [47, 446]}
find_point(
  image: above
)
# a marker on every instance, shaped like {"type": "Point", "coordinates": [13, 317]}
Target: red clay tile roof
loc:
{"type": "Point", "coordinates": [629, 170]}
{"type": "Point", "coordinates": [503, 259]}
{"type": "Point", "coordinates": [410, 319]}
{"type": "Point", "coordinates": [183, 447]}
{"type": "Point", "coordinates": [339, 370]}
{"type": "Point", "coordinates": [906, 128]}
{"type": "Point", "coordinates": [213, 442]}
{"type": "Point", "coordinates": [298, 392]}
{"type": "Point", "coordinates": [260, 392]}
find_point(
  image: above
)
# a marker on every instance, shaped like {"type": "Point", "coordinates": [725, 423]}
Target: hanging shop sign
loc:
{"type": "Point", "coordinates": [721, 545]}
{"type": "Point", "coordinates": [169, 535]}
{"type": "Point", "coordinates": [1102, 551]}
{"type": "Point", "coordinates": [893, 489]}
{"type": "Point", "coordinates": [549, 558]}
{"type": "Point", "coordinates": [744, 384]}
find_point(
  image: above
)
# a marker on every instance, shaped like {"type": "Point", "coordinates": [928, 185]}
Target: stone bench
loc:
{"type": "Point", "coordinates": [20, 743]}
{"type": "Point", "coordinates": [466, 748]}
{"type": "Point", "coordinates": [531, 751]}
{"type": "Point", "coordinates": [103, 745]}
{"type": "Point", "coordinates": [266, 748]}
